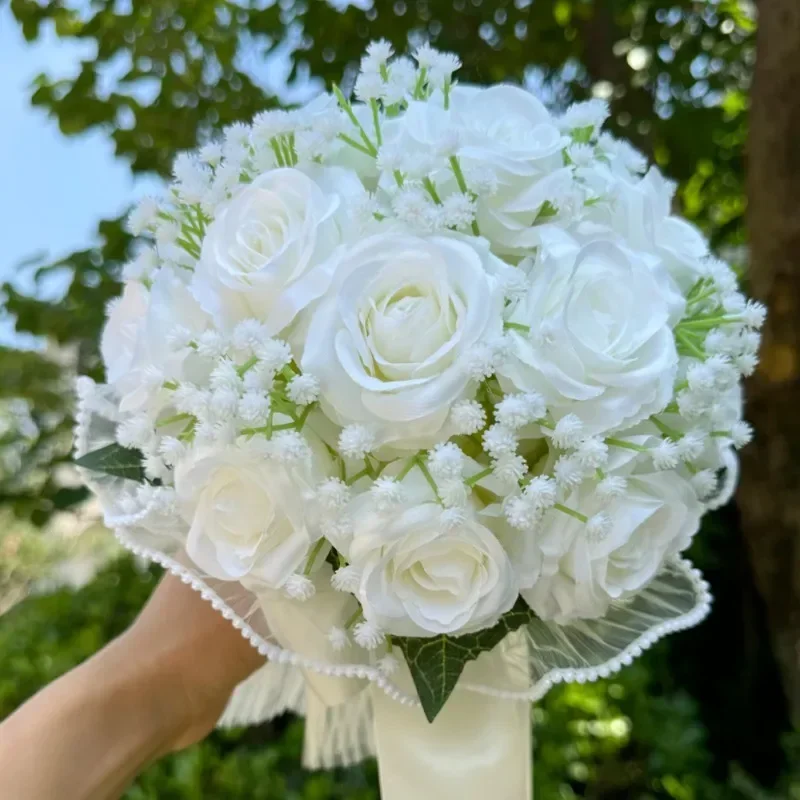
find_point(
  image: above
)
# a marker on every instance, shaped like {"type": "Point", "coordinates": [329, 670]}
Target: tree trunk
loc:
{"type": "Point", "coordinates": [769, 497]}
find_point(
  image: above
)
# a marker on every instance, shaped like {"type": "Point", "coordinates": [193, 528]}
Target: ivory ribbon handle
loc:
{"type": "Point", "coordinates": [478, 747]}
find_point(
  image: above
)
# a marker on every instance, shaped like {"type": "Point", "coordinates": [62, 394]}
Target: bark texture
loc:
{"type": "Point", "coordinates": [769, 496]}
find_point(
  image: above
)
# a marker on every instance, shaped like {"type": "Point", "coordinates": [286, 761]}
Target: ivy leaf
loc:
{"type": "Point", "coordinates": [437, 663]}
{"type": "Point", "coordinates": [121, 462]}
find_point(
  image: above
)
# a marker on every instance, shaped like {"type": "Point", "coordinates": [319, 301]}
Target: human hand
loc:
{"type": "Point", "coordinates": [159, 687]}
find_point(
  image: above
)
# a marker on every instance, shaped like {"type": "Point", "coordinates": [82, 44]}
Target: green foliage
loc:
{"type": "Point", "coordinates": [436, 664]}
{"type": "Point", "coordinates": [115, 460]}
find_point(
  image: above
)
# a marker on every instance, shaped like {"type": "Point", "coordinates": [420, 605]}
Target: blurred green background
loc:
{"type": "Point", "coordinates": [707, 714]}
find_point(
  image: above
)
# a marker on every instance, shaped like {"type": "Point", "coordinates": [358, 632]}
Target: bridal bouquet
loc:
{"type": "Point", "coordinates": [425, 391]}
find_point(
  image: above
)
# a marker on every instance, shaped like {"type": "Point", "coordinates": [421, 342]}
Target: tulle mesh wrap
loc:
{"type": "Point", "coordinates": [307, 676]}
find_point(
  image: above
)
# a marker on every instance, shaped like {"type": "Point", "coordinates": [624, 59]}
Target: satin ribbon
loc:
{"type": "Point", "coordinates": [478, 746]}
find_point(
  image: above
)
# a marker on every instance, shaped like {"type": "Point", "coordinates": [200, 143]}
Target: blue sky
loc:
{"type": "Point", "coordinates": [53, 189]}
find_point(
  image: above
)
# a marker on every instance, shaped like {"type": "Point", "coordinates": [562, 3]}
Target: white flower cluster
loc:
{"type": "Point", "coordinates": [438, 347]}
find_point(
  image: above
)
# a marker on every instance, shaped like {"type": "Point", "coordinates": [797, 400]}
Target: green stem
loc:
{"type": "Point", "coordinates": [421, 78]}
{"type": "Point", "coordinates": [639, 448]}
{"type": "Point", "coordinates": [431, 189]}
{"type": "Point", "coordinates": [304, 416]}
{"type": "Point", "coordinates": [571, 512]}
{"type": "Point", "coordinates": [423, 468]}
{"type": "Point", "coordinates": [357, 615]}
{"type": "Point", "coordinates": [358, 476]}
{"type": "Point", "coordinates": [376, 121]}
{"type": "Point", "coordinates": [312, 556]}
{"type": "Point", "coordinates": [409, 465]}
{"type": "Point", "coordinates": [248, 365]}
{"type": "Point", "coordinates": [353, 143]}
{"type": "Point", "coordinates": [277, 150]}
{"type": "Point", "coordinates": [666, 429]}
{"type": "Point", "coordinates": [171, 385]}
{"type": "Point", "coordinates": [691, 347]}
{"type": "Point", "coordinates": [707, 323]}
{"type": "Point", "coordinates": [473, 479]}
{"type": "Point", "coordinates": [174, 418]}
{"type": "Point", "coordinates": [516, 326]}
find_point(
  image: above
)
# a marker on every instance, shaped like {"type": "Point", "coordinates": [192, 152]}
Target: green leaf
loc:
{"type": "Point", "coordinates": [121, 462]}
{"type": "Point", "coordinates": [436, 664]}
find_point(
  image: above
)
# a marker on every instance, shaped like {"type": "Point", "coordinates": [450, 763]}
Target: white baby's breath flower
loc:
{"type": "Point", "coordinates": [289, 446]}
{"type": "Point", "coordinates": [171, 449]}
{"type": "Point", "coordinates": [741, 434]}
{"type": "Point", "coordinates": [510, 468]}
{"type": "Point", "coordinates": [414, 207]}
{"type": "Point", "coordinates": [136, 431]}
{"type": "Point", "coordinates": [142, 267]}
{"type": "Point", "coordinates": [248, 334]}
{"type": "Point", "coordinates": [387, 493]}
{"type": "Point", "coordinates": [369, 86]}
{"type": "Point", "coordinates": [499, 441]}
{"type": "Point", "coordinates": [568, 431]}
{"type": "Point", "coordinates": [592, 452]}
{"type": "Point", "coordinates": [691, 445]}
{"type": "Point", "coordinates": [211, 344]}
{"type": "Point", "coordinates": [611, 486]}
{"type": "Point", "coordinates": [338, 638]}
{"type": "Point", "coordinates": [211, 153]}
{"type": "Point", "coordinates": [346, 579]}
{"type": "Point", "coordinates": [541, 492]}
{"type": "Point", "coordinates": [746, 363]}
{"type": "Point", "coordinates": [388, 665]}
{"type": "Point", "coordinates": [442, 68]}
{"type": "Point", "coordinates": [568, 471]}
{"type": "Point", "coordinates": [458, 211]}
{"type": "Point", "coordinates": [598, 527]}
{"type": "Point", "coordinates": [303, 389]}
{"type": "Point", "coordinates": [516, 410]}
{"type": "Point", "coordinates": [754, 314]}
{"type": "Point", "coordinates": [298, 587]}
{"type": "Point", "coordinates": [665, 455]}
{"type": "Point", "coordinates": [355, 441]}
{"type": "Point", "coordinates": [521, 513]}
{"type": "Point", "coordinates": [254, 407]}
{"type": "Point", "coordinates": [223, 404]}
{"type": "Point", "coordinates": [452, 518]}
{"type": "Point", "coordinates": [275, 354]}
{"type": "Point", "coordinates": [378, 53]}
{"type": "Point", "coordinates": [368, 635]}
{"type": "Point", "coordinates": [143, 217]}
{"type": "Point", "coordinates": [588, 114]}
{"type": "Point", "coordinates": [258, 379]}
{"type": "Point", "coordinates": [446, 461]}
{"type": "Point", "coordinates": [467, 417]}
{"type": "Point", "coordinates": [333, 494]}
{"type": "Point", "coordinates": [179, 337]}
{"type": "Point", "coordinates": [225, 376]}
{"type": "Point", "coordinates": [453, 493]}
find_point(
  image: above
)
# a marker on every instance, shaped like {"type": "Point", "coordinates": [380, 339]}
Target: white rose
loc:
{"type": "Point", "coordinates": [600, 342]}
{"type": "Point", "coordinates": [507, 132]}
{"type": "Point", "coordinates": [390, 340]}
{"type": "Point", "coordinates": [245, 514]}
{"type": "Point", "coordinates": [121, 332]}
{"type": "Point", "coordinates": [641, 212]}
{"type": "Point", "coordinates": [171, 307]}
{"type": "Point", "coordinates": [420, 577]}
{"type": "Point", "coordinates": [267, 254]}
{"type": "Point", "coordinates": [580, 576]}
